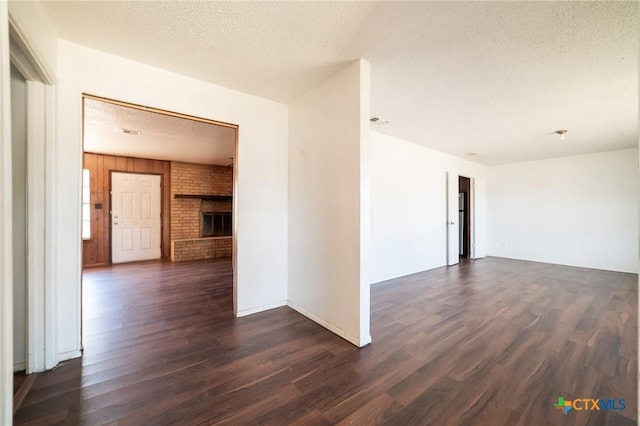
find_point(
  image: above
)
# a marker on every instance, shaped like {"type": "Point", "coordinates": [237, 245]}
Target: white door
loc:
{"type": "Point", "coordinates": [452, 219]}
{"type": "Point", "coordinates": [135, 217]}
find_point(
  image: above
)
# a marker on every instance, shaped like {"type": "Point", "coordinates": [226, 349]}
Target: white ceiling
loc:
{"type": "Point", "coordinates": [493, 78]}
{"type": "Point", "coordinates": [158, 136]}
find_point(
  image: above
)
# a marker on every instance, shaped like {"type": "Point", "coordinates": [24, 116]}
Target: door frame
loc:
{"type": "Point", "coordinates": [471, 204]}
{"type": "Point", "coordinates": [234, 240]}
{"type": "Point", "coordinates": [451, 199]}
{"type": "Point", "coordinates": [469, 217]}
{"type": "Point", "coordinates": [15, 47]}
{"type": "Point", "coordinates": [162, 212]}
{"type": "Point", "coordinates": [41, 300]}
{"type": "Point", "coordinates": [452, 179]}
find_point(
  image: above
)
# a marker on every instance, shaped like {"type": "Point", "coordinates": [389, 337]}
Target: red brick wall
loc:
{"type": "Point", "coordinates": [189, 178]}
{"type": "Point", "coordinates": [197, 179]}
{"type": "Point", "coordinates": [202, 248]}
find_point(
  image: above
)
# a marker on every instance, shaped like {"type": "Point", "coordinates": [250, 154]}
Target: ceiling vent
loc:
{"type": "Point", "coordinates": [132, 132]}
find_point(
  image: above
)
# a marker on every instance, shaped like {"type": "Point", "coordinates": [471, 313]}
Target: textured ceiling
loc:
{"type": "Point", "coordinates": [158, 136]}
{"type": "Point", "coordinates": [493, 78]}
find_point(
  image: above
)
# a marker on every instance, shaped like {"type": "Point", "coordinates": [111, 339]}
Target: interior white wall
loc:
{"type": "Point", "coordinates": [261, 172]}
{"type": "Point", "coordinates": [6, 263]}
{"type": "Point", "coordinates": [580, 210]}
{"type": "Point", "coordinates": [19, 205]}
{"type": "Point", "coordinates": [327, 264]}
{"type": "Point", "coordinates": [36, 29]}
{"type": "Point", "coordinates": [408, 206]}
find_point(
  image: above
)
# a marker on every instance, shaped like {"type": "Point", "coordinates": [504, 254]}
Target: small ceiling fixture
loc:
{"type": "Point", "coordinates": [561, 132]}
{"type": "Point", "coordinates": [132, 132]}
{"type": "Point", "coordinates": [378, 120]}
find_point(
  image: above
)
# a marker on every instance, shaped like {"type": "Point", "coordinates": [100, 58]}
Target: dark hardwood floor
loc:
{"type": "Point", "coordinates": [488, 342]}
{"type": "Point", "coordinates": [18, 379]}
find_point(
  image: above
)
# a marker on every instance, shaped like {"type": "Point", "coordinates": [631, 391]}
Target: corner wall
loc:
{"type": "Point", "coordinates": [328, 217]}
{"type": "Point", "coordinates": [409, 206]}
{"type": "Point", "coordinates": [579, 211]}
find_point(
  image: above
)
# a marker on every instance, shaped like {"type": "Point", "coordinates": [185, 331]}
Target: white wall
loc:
{"type": "Point", "coordinates": [6, 264]}
{"type": "Point", "coordinates": [261, 167]}
{"type": "Point", "coordinates": [327, 263]}
{"type": "Point", "coordinates": [35, 28]}
{"type": "Point", "coordinates": [19, 205]}
{"type": "Point", "coordinates": [408, 206]}
{"type": "Point", "coordinates": [579, 210]}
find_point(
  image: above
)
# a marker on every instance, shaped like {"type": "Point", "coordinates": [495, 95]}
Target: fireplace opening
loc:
{"type": "Point", "coordinates": [215, 224]}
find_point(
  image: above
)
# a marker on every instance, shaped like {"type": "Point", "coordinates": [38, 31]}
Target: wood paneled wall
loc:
{"type": "Point", "coordinates": [97, 250]}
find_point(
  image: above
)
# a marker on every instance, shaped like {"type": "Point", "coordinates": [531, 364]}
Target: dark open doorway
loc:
{"type": "Point", "coordinates": [464, 212]}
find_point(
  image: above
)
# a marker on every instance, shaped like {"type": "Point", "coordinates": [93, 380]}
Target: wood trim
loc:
{"type": "Point", "coordinates": [158, 110]}
{"type": "Point", "coordinates": [204, 238]}
{"type": "Point", "coordinates": [234, 224]}
{"type": "Point", "coordinates": [207, 197]}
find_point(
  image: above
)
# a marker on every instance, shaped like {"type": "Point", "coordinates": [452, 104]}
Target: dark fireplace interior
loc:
{"type": "Point", "coordinates": [215, 224]}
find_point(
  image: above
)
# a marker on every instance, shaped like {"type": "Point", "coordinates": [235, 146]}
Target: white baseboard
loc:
{"type": "Point", "coordinates": [359, 342]}
{"type": "Point", "coordinates": [364, 341]}
{"type": "Point", "coordinates": [19, 366]}
{"type": "Point", "coordinates": [69, 355]}
{"type": "Point", "coordinates": [245, 312]}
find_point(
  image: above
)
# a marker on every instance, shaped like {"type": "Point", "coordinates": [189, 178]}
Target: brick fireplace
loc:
{"type": "Point", "coordinates": [201, 200]}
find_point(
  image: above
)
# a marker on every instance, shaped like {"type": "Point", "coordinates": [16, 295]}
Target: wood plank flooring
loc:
{"type": "Point", "coordinates": [488, 342]}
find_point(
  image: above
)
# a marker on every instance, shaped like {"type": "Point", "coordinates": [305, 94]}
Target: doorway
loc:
{"type": "Point", "coordinates": [194, 160]}
{"type": "Point", "coordinates": [464, 216]}
{"type": "Point", "coordinates": [150, 179]}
